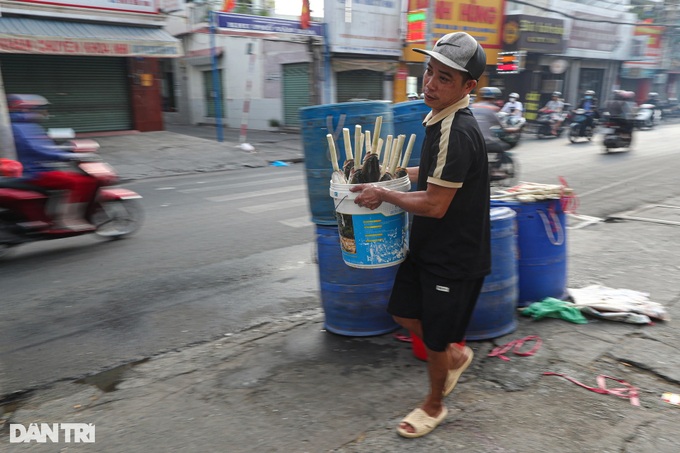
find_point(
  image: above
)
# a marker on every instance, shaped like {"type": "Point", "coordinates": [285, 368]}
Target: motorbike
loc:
{"type": "Point", "coordinates": [503, 170]}
{"type": "Point", "coordinates": [576, 119]}
{"type": "Point", "coordinates": [614, 138]}
{"type": "Point", "coordinates": [25, 217]}
{"type": "Point", "coordinates": [669, 109]}
{"type": "Point", "coordinates": [644, 118]}
{"type": "Point", "coordinates": [545, 121]}
{"type": "Point", "coordinates": [513, 126]}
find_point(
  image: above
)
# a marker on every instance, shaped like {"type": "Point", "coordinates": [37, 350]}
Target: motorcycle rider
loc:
{"type": "Point", "coordinates": [621, 113]}
{"type": "Point", "coordinates": [44, 163]}
{"type": "Point", "coordinates": [589, 103]}
{"type": "Point", "coordinates": [484, 110]}
{"type": "Point", "coordinates": [513, 106]}
{"type": "Point", "coordinates": [554, 107]}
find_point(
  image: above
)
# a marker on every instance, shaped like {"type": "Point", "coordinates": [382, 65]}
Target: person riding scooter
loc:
{"type": "Point", "coordinates": [621, 113]}
{"type": "Point", "coordinates": [513, 106]}
{"type": "Point", "coordinates": [45, 164]}
{"type": "Point", "coordinates": [589, 104]}
{"type": "Point", "coordinates": [554, 107]}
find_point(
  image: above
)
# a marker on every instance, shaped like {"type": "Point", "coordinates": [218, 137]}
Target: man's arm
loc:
{"type": "Point", "coordinates": [433, 202]}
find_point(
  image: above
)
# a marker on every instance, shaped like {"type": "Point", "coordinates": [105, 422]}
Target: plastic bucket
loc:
{"type": "Point", "coordinates": [316, 123]}
{"type": "Point", "coordinates": [408, 119]}
{"type": "Point", "coordinates": [371, 238]}
{"type": "Point", "coordinates": [542, 249]}
{"type": "Point", "coordinates": [354, 301]}
{"type": "Point", "coordinates": [494, 315]}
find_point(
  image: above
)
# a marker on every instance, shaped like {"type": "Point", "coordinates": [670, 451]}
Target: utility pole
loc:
{"type": "Point", "coordinates": [217, 88]}
{"type": "Point", "coordinates": [429, 24]}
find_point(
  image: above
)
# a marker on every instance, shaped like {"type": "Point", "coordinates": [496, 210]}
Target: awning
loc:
{"type": "Point", "coordinates": [51, 37]}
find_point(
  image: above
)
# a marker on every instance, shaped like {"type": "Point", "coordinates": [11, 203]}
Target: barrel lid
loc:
{"type": "Point", "coordinates": [502, 213]}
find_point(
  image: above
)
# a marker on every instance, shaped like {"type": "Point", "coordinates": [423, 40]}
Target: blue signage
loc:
{"type": "Point", "coordinates": [244, 22]}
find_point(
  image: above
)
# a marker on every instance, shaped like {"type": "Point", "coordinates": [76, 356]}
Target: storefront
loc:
{"type": "Point", "coordinates": [97, 76]}
{"type": "Point", "coordinates": [535, 40]}
{"type": "Point", "coordinates": [482, 19]}
{"type": "Point", "coordinates": [365, 46]}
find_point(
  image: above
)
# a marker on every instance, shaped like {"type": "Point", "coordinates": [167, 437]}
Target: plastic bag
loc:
{"type": "Point", "coordinates": [554, 308]}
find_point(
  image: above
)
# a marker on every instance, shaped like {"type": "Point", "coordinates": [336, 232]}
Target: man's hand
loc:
{"type": "Point", "coordinates": [370, 196]}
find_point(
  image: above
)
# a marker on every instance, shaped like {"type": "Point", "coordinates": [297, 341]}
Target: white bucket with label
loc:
{"type": "Point", "coordinates": [371, 238]}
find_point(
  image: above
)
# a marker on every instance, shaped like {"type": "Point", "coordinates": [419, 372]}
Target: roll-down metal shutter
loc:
{"type": "Point", "coordinates": [295, 91]}
{"type": "Point", "coordinates": [88, 94]}
{"type": "Point", "coordinates": [360, 84]}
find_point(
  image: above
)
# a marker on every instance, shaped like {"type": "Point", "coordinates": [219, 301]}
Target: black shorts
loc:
{"type": "Point", "coordinates": [444, 306]}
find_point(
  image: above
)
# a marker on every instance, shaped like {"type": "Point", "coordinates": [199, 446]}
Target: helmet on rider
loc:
{"type": "Point", "coordinates": [653, 95]}
{"type": "Point", "coordinates": [513, 97]}
{"type": "Point", "coordinates": [589, 94]}
{"type": "Point", "coordinates": [32, 106]}
{"type": "Point", "coordinates": [619, 94]}
{"type": "Point", "coordinates": [491, 93]}
{"type": "Point", "coordinates": [628, 95]}
{"type": "Point", "coordinates": [556, 94]}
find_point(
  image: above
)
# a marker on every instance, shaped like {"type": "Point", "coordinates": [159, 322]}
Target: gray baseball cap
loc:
{"type": "Point", "coordinates": [459, 51]}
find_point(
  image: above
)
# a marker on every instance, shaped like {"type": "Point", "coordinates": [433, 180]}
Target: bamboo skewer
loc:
{"type": "Point", "coordinates": [376, 132]}
{"type": "Point", "coordinates": [337, 176]}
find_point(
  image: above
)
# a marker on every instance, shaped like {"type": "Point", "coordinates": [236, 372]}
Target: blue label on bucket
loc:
{"type": "Point", "coordinates": [373, 240]}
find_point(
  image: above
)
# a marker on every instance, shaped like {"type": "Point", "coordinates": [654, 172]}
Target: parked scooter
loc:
{"type": "Point", "coordinates": [25, 209]}
{"type": "Point", "coordinates": [576, 120]}
{"type": "Point", "coordinates": [644, 118]}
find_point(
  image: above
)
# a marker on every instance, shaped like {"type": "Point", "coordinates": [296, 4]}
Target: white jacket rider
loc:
{"type": "Point", "coordinates": [513, 106]}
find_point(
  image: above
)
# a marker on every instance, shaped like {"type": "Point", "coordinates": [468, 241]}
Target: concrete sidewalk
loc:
{"type": "Point", "coordinates": [290, 386]}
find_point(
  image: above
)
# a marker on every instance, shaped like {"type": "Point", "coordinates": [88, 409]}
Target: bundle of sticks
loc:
{"type": "Point", "coordinates": [359, 168]}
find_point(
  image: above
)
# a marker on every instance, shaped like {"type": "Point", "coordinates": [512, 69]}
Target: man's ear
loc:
{"type": "Point", "coordinates": [470, 85]}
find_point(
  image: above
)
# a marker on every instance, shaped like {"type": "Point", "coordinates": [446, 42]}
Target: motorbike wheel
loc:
{"type": "Point", "coordinates": [117, 219]}
{"type": "Point", "coordinates": [510, 168]}
{"type": "Point", "coordinates": [573, 136]}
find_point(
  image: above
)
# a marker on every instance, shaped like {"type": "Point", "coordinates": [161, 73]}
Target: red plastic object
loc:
{"type": "Point", "coordinates": [419, 347]}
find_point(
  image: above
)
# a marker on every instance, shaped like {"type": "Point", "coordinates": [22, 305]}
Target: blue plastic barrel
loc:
{"type": "Point", "coordinates": [408, 119]}
{"type": "Point", "coordinates": [354, 300]}
{"type": "Point", "coordinates": [542, 247]}
{"type": "Point", "coordinates": [495, 312]}
{"type": "Point", "coordinates": [317, 122]}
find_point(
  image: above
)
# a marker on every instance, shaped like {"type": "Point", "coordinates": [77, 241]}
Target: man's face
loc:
{"type": "Point", "coordinates": [444, 86]}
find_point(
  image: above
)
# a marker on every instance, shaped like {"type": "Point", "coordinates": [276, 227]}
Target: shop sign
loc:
{"type": "Point", "coordinates": [533, 34]}
{"type": "Point", "coordinates": [85, 47]}
{"type": "Point", "coordinates": [137, 6]}
{"type": "Point", "coordinates": [366, 27]}
{"type": "Point", "coordinates": [242, 22]}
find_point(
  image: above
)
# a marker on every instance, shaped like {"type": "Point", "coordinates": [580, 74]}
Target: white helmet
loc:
{"type": "Point", "coordinates": [514, 96]}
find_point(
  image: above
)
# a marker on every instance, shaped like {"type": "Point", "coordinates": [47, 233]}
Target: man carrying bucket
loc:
{"type": "Point", "coordinates": [437, 286]}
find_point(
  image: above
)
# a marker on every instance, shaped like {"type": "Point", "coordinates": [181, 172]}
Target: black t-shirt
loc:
{"type": "Point", "coordinates": [456, 246]}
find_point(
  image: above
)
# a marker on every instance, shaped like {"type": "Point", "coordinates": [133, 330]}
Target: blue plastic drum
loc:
{"type": "Point", "coordinates": [354, 300]}
{"type": "Point", "coordinates": [542, 247]}
{"type": "Point", "coordinates": [317, 122]}
{"type": "Point", "coordinates": [408, 119]}
{"type": "Point", "coordinates": [495, 312]}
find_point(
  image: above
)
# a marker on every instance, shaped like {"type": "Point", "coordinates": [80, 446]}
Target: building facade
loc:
{"type": "Point", "coordinates": [96, 61]}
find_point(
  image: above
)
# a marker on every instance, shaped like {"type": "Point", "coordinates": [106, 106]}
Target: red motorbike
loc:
{"type": "Point", "coordinates": [25, 216]}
